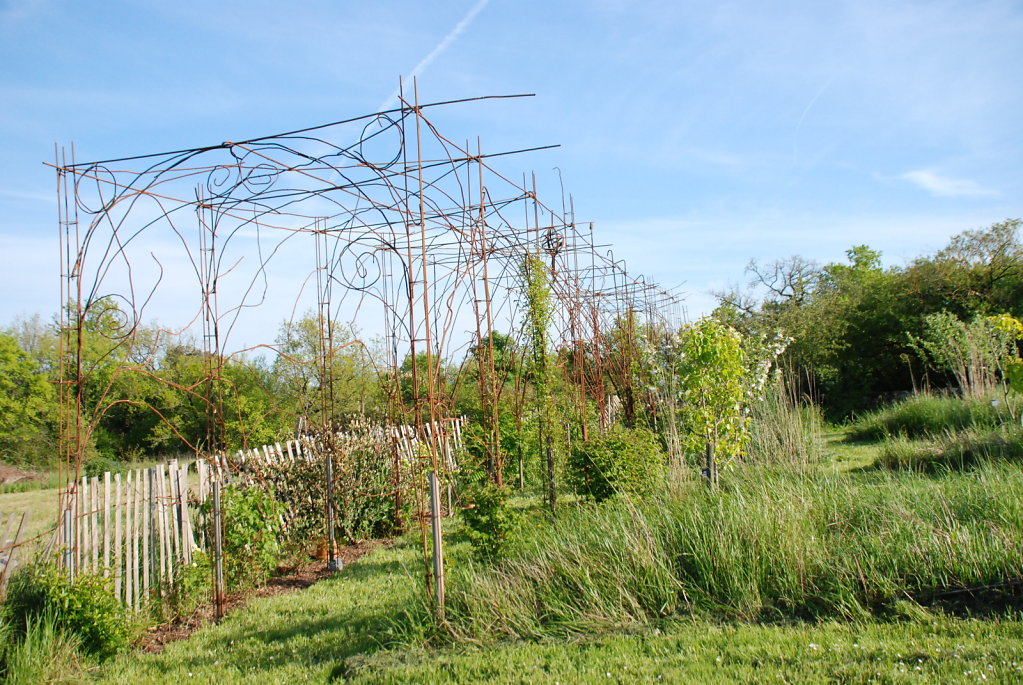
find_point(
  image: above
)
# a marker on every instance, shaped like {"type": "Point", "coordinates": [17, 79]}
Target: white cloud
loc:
{"type": "Point", "coordinates": [943, 186]}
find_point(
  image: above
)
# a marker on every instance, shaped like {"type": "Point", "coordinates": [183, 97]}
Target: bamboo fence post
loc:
{"type": "Point", "coordinates": [173, 502]}
{"type": "Point", "coordinates": [130, 542]}
{"type": "Point", "coordinates": [172, 513]}
{"type": "Point", "coordinates": [147, 533]}
{"type": "Point", "coordinates": [82, 526]}
{"type": "Point", "coordinates": [160, 575]}
{"type": "Point", "coordinates": [199, 479]}
{"type": "Point", "coordinates": [94, 555]}
{"type": "Point", "coordinates": [118, 540]}
{"type": "Point", "coordinates": [186, 524]}
{"type": "Point", "coordinates": [165, 524]}
{"type": "Point", "coordinates": [106, 524]}
{"type": "Point", "coordinates": [218, 552]}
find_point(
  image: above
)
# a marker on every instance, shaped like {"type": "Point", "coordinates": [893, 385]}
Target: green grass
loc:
{"type": "Point", "coordinates": [43, 654]}
{"type": "Point", "coordinates": [927, 416]}
{"type": "Point", "coordinates": [955, 450]}
{"type": "Point", "coordinates": [921, 651]}
{"type": "Point", "coordinates": [344, 629]}
{"type": "Point", "coordinates": [41, 507]}
{"type": "Point", "coordinates": [43, 481]}
{"type": "Point", "coordinates": [770, 545]}
{"type": "Point", "coordinates": [841, 454]}
{"type": "Point", "coordinates": [300, 637]}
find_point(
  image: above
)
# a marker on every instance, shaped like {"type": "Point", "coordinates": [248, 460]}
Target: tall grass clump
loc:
{"type": "Point", "coordinates": [766, 545]}
{"type": "Point", "coordinates": [924, 416]}
{"type": "Point", "coordinates": [784, 429]}
{"type": "Point", "coordinates": [954, 450]}
{"type": "Point", "coordinates": [41, 653]}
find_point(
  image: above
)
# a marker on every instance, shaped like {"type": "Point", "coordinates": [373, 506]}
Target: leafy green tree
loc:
{"type": "Point", "coordinates": [28, 408]}
{"type": "Point", "coordinates": [299, 375]}
{"type": "Point", "coordinates": [701, 374]}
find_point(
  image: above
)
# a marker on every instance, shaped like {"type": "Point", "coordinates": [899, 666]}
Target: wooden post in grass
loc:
{"type": "Point", "coordinates": [148, 534]}
{"type": "Point", "coordinates": [69, 536]}
{"type": "Point", "coordinates": [438, 543]}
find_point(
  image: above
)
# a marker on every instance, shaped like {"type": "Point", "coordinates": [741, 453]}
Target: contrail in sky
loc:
{"type": "Point", "coordinates": [802, 117]}
{"type": "Point", "coordinates": [437, 51]}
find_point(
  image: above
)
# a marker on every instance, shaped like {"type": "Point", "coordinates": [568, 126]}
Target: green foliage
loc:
{"type": "Point", "coordinates": [621, 460]}
{"type": "Point", "coordinates": [193, 585]}
{"type": "Point", "coordinates": [364, 486]}
{"type": "Point", "coordinates": [849, 322]}
{"type": "Point", "coordinates": [707, 367]}
{"type": "Point", "coordinates": [251, 535]}
{"type": "Point", "coordinates": [28, 408]}
{"type": "Point", "coordinates": [972, 352]}
{"type": "Point", "coordinates": [539, 313]}
{"type": "Point", "coordinates": [299, 377]}
{"type": "Point", "coordinates": [84, 607]}
{"type": "Point", "coordinates": [489, 520]}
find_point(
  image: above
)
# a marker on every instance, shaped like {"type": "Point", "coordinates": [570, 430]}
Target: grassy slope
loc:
{"type": "Point", "coordinates": [41, 506]}
{"type": "Point", "coordinates": [338, 630]}
{"type": "Point", "coordinates": [335, 631]}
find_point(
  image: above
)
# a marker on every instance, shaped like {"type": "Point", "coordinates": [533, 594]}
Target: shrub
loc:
{"type": "Point", "coordinates": [193, 585]}
{"type": "Point", "coordinates": [488, 519]}
{"type": "Point", "coordinates": [364, 485]}
{"type": "Point", "coordinates": [621, 460]}
{"type": "Point", "coordinates": [84, 607]}
{"type": "Point", "coordinates": [251, 528]}
{"type": "Point", "coordinates": [100, 464]}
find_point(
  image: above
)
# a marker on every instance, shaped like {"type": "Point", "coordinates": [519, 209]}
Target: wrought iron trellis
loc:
{"type": "Point", "coordinates": [424, 236]}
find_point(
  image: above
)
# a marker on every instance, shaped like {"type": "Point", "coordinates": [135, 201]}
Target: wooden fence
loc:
{"type": "Point", "coordinates": [135, 527]}
{"type": "Point", "coordinates": [138, 527]}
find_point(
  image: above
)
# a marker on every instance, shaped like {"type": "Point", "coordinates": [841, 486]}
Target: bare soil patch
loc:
{"type": "Point", "coordinates": [11, 474]}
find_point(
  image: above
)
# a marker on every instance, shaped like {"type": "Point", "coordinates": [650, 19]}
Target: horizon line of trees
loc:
{"type": "Point", "coordinates": [855, 327]}
{"type": "Point", "coordinates": [853, 335]}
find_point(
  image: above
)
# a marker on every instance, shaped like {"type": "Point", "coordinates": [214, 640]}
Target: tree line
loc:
{"type": "Point", "coordinates": [855, 326]}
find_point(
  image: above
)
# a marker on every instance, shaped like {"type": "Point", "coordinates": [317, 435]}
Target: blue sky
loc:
{"type": "Point", "coordinates": [695, 135]}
